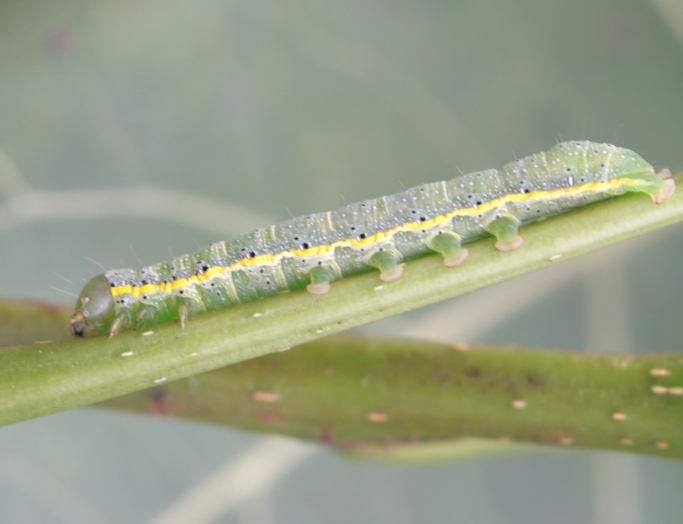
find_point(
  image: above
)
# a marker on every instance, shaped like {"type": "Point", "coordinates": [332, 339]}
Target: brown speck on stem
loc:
{"type": "Point", "coordinates": [158, 403]}
{"type": "Point", "coordinates": [325, 435]}
{"type": "Point", "coordinates": [267, 397]}
{"type": "Point", "coordinates": [376, 416]}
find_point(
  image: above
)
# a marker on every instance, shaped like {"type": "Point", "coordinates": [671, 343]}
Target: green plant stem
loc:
{"type": "Point", "coordinates": [369, 396]}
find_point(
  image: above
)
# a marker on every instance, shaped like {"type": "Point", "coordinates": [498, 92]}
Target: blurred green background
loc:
{"type": "Point", "coordinates": [132, 130]}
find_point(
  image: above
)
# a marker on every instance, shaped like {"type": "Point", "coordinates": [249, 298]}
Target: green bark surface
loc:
{"type": "Point", "coordinates": [377, 396]}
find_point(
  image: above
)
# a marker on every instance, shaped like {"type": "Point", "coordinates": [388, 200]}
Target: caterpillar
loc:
{"type": "Point", "coordinates": [315, 250]}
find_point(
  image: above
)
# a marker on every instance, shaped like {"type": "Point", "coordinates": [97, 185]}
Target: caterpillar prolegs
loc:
{"type": "Point", "coordinates": [315, 250]}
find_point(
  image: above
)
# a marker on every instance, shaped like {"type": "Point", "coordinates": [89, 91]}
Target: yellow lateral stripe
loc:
{"type": "Point", "coordinates": [319, 251]}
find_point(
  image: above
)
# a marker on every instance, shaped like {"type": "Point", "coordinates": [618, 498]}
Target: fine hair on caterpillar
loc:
{"type": "Point", "coordinates": [313, 251]}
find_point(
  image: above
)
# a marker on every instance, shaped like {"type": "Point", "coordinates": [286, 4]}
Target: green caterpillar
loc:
{"type": "Point", "coordinates": [314, 250]}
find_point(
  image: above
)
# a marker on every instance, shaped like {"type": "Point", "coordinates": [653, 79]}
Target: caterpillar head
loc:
{"type": "Point", "coordinates": [94, 309]}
